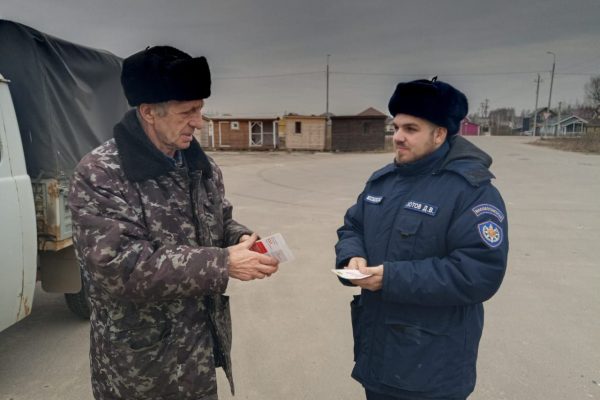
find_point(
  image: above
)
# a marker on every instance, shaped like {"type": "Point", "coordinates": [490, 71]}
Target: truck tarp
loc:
{"type": "Point", "coordinates": [67, 97]}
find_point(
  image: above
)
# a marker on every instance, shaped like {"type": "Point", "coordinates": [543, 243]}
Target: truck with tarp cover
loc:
{"type": "Point", "coordinates": [58, 101]}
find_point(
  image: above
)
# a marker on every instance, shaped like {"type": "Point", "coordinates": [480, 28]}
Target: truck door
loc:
{"type": "Point", "coordinates": [18, 247]}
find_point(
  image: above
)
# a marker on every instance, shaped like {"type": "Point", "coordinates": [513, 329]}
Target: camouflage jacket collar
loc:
{"type": "Point", "coordinates": [141, 160]}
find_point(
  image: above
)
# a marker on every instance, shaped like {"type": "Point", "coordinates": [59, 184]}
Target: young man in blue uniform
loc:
{"type": "Point", "coordinates": [431, 231]}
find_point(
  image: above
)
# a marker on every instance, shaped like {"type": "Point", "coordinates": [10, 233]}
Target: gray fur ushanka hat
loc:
{"type": "Point", "coordinates": [432, 100]}
{"type": "Point", "coordinates": [163, 73]}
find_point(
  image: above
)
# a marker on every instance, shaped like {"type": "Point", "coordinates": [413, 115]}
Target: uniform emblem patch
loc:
{"type": "Point", "coordinates": [373, 199]}
{"type": "Point", "coordinates": [488, 209]}
{"type": "Point", "coordinates": [421, 207]}
{"type": "Point", "coordinates": [491, 233]}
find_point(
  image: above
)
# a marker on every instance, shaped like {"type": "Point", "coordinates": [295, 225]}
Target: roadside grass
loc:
{"type": "Point", "coordinates": [589, 144]}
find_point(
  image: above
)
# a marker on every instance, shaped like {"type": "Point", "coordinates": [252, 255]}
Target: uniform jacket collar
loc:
{"type": "Point", "coordinates": [463, 158]}
{"type": "Point", "coordinates": [424, 165]}
{"type": "Point", "coordinates": [141, 160]}
{"type": "Point", "coordinates": [468, 161]}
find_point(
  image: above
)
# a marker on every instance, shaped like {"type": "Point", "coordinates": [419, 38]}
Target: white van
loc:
{"type": "Point", "coordinates": [58, 101]}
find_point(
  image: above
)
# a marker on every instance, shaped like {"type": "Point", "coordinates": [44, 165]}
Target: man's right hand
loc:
{"type": "Point", "coordinates": [247, 265]}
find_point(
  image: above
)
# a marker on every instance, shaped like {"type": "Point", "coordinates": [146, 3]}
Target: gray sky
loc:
{"type": "Point", "coordinates": [269, 56]}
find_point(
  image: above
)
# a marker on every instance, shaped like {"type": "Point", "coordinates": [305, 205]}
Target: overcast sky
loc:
{"type": "Point", "coordinates": [269, 56]}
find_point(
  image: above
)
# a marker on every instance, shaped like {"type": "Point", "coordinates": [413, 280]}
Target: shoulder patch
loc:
{"type": "Point", "coordinates": [482, 209]}
{"type": "Point", "coordinates": [373, 199]}
{"type": "Point", "coordinates": [421, 207]}
{"type": "Point", "coordinates": [491, 233]}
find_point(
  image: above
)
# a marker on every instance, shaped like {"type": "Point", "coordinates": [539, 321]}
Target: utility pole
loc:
{"type": "Point", "coordinates": [551, 78]}
{"type": "Point", "coordinates": [328, 135]}
{"type": "Point", "coordinates": [327, 88]}
{"type": "Point", "coordinates": [485, 116]}
{"type": "Point", "coordinates": [548, 113]}
{"type": "Point", "coordinates": [537, 92]}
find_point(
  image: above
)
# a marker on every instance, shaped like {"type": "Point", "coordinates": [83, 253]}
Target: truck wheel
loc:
{"type": "Point", "coordinates": [78, 303]}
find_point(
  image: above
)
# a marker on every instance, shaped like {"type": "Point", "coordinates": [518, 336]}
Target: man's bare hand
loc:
{"type": "Point", "coordinates": [356, 263]}
{"type": "Point", "coordinates": [372, 283]}
{"type": "Point", "coordinates": [247, 265]}
{"type": "Point", "coordinates": [243, 238]}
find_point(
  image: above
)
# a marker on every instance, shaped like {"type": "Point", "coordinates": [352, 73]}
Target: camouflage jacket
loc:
{"type": "Point", "coordinates": [151, 238]}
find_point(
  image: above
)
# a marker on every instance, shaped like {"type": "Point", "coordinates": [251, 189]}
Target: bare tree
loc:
{"type": "Point", "coordinates": [592, 91]}
{"type": "Point", "coordinates": [502, 121]}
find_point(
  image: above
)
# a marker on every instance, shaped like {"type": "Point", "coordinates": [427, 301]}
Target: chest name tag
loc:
{"type": "Point", "coordinates": [422, 208]}
{"type": "Point", "coordinates": [373, 199]}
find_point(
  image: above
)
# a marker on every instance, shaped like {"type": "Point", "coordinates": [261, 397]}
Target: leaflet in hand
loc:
{"type": "Point", "coordinates": [275, 247]}
{"type": "Point", "coordinates": [350, 273]}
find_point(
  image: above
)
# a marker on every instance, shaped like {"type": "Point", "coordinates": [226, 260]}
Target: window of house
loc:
{"type": "Point", "coordinates": [365, 127]}
{"type": "Point", "coordinates": [234, 125]}
{"type": "Point", "coordinates": [298, 127]}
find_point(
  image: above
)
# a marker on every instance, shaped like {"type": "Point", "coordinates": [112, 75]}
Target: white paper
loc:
{"type": "Point", "coordinates": [350, 273]}
{"type": "Point", "coordinates": [275, 246]}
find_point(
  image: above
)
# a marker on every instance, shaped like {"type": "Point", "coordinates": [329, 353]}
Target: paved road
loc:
{"type": "Point", "coordinates": [292, 336]}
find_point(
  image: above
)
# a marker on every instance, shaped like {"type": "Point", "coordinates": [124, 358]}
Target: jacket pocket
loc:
{"type": "Point", "coordinates": [220, 319]}
{"type": "Point", "coordinates": [404, 238]}
{"type": "Point", "coordinates": [141, 338]}
{"type": "Point", "coordinates": [419, 359]}
{"type": "Point", "coordinates": [355, 315]}
{"type": "Point", "coordinates": [142, 355]}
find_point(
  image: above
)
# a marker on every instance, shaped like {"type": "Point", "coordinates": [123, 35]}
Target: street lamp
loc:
{"type": "Point", "coordinates": [550, 94]}
{"type": "Point", "coordinates": [551, 77]}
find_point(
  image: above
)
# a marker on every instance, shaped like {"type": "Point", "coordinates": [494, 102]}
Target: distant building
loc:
{"type": "Point", "coordinates": [202, 135]}
{"type": "Point", "coordinates": [469, 128]}
{"type": "Point", "coordinates": [362, 132]}
{"type": "Point", "coordinates": [389, 126]}
{"type": "Point", "coordinates": [569, 126]}
{"type": "Point", "coordinates": [539, 119]}
{"type": "Point", "coordinates": [303, 132]}
{"type": "Point", "coordinates": [593, 128]}
{"type": "Point", "coordinates": [231, 132]}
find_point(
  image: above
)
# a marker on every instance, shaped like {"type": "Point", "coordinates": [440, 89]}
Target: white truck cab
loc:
{"type": "Point", "coordinates": [58, 101]}
{"type": "Point", "coordinates": [18, 236]}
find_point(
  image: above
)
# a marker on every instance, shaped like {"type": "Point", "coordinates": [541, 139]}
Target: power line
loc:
{"type": "Point", "coordinates": [283, 75]}
{"type": "Point", "coordinates": [267, 76]}
{"type": "Point", "coordinates": [441, 74]}
{"type": "Point", "coordinates": [578, 73]}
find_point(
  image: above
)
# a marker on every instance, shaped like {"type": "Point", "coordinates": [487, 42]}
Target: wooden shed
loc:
{"type": "Point", "coordinates": [303, 132]}
{"type": "Point", "coordinates": [361, 132]}
{"type": "Point", "coordinates": [237, 133]}
{"type": "Point", "coordinates": [593, 127]}
{"type": "Point", "coordinates": [202, 135]}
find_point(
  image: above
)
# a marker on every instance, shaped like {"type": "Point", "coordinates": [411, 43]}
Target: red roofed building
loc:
{"type": "Point", "coordinates": [468, 128]}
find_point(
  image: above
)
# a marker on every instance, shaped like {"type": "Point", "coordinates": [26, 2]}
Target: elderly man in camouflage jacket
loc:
{"type": "Point", "coordinates": [157, 242]}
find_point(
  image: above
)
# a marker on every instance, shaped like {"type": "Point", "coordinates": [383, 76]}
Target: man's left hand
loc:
{"type": "Point", "coordinates": [243, 238]}
{"type": "Point", "coordinates": [372, 283]}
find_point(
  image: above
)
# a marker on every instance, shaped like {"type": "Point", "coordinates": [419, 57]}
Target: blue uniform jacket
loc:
{"type": "Point", "coordinates": [439, 228]}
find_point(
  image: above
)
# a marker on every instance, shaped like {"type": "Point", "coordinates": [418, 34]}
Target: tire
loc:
{"type": "Point", "coordinates": [78, 303]}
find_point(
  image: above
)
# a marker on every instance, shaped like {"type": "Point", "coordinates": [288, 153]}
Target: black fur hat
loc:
{"type": "Point", "coordinates": [433, 100]}
{"type": "Point", "coordinates": [163, 73]}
